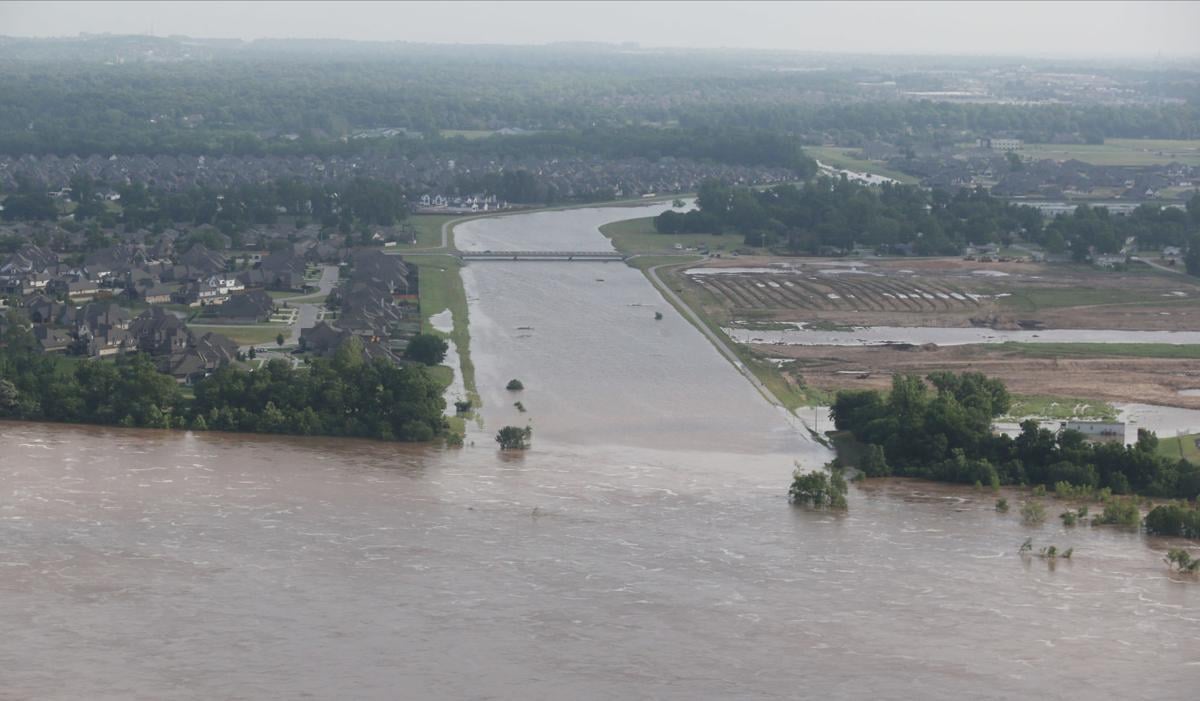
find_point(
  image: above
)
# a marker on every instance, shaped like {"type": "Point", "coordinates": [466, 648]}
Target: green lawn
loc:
{"type": "Point", "coordinates": [1062, 408]}
{"type": "Point", "coordinates": [1120, 152]}
{"type": "Point", "coordinates": [846, 159]}
{"type": "Point", "coordinates": [1033, 299]}
{"type": "Point", "coordinates": [245, 335]}
{"type": "Point", "coordinates": [639, 236]}
{"type": "Point", "coordinates": [1125, 350]}
{"type": "Point", "coordinates": [1180, 447]}
{"type": "Point", "coordinates": [429, 229]}
{"type": "Point", "coordinates": [442, 289]}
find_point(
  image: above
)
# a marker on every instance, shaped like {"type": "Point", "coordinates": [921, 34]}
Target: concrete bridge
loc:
{"type": "Point", "coordinates": [590, 256]}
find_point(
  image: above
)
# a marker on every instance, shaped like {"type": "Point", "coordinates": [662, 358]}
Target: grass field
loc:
{"type": "Point", "coordinates": [469, 134]}
{"type": "Point", "coordinates": [1031, 299]}
{"type": "Point", "coordinates": [1092, 350]}
{"type": "Point", "coordinates": [429, 229]}
{"type": "Point", "coordinates": [442, 289]}
{"type": "Point", "coordinates": [639, 236]}
{"type": "Point", "coordinates": [845, 158]}
{"type": "Point", "coordinates": [1047, 407]}
{"type": "Point", "coordinates": [1180, 447]}
{"type": "Point", "coordinates": [245, 335]}
{"type": "Point", "coordinates": [1119, 152]}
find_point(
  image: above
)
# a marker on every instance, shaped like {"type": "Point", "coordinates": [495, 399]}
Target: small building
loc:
{"type": "Point", "coordinates": [1097, 431]}
{"type": "Point", "coordinates": [1003, 145]}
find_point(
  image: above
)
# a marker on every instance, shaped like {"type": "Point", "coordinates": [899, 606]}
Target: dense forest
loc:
{"type": "Point", "coordinates": [940, 428]}
{"type": "Point", "coordinates": [341, 396]}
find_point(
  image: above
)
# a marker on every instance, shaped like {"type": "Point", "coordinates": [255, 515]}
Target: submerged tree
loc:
{"type": "Point", "coordinates": [1181, 560]}
{"type": "Point", "coordinates": [819, 489]}
{"type": "Point", "coordinates": [514, 437]}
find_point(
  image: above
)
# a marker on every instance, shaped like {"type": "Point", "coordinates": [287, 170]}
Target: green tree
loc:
{"type": "Point", "coordinates": [514, 437]}
{"type": "Point", "coordinates": [427, 349]}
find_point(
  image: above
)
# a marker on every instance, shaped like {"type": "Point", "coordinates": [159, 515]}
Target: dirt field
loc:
{"type": "Point", "coordinates": [945, 292]}
{"type": "Point", "coordinates": [1147, 380]}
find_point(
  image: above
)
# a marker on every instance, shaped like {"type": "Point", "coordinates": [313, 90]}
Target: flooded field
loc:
{"type": "Point", "coordinates": [643, 548]}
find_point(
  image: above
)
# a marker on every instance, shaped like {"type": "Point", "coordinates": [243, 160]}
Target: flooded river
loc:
{"type": "Point", "coordinates": [642, 549]}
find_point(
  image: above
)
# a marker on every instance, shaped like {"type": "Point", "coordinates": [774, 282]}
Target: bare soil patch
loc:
{"type": "Point", "coordinates": [1146, 380]}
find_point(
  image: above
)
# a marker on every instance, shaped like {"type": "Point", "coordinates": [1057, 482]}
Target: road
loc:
{"type": "Point", "coordinates": [1152, 264]}
{"type": "Point", "coordinates": [312, 312]}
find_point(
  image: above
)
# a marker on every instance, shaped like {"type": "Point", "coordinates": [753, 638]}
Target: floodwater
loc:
{"type": "Point", "coordinates": [643, 548]}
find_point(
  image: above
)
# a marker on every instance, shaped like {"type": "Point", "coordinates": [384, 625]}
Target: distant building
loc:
{"type": "Point", "coordinates": [999, 144]}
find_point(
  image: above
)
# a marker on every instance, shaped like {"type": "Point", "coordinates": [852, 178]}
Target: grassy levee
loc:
{"type": "Point", "coordinates": [429, 229]}
{"type": "Point", "coordinates": [442, 289]}
{"type": "Point", "coordinates": [788, 394]}
{"type": "Point", "coordinates": [1101, 350]}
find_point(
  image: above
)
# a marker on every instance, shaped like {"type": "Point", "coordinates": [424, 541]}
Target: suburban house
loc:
{"type": "Point", "coordinates": [283, 270]}
{"type": "Point", "coordinates": [160, 294]}
{"type": "Point", "coordinates": [250, 307]}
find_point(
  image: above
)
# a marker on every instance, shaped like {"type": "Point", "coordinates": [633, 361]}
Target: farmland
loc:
{"type": "Point", "coordinates": [761, 293]}
{"type": "Point", "coordinates": [942, 292]}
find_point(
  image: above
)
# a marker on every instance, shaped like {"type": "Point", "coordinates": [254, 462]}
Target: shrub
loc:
{"type": "Point", "coordinates": [514, 385]}
{"type": "Point", "coordinates": [1068, 518]}
{"type": "Point", "coordinates": [1033, 513]}
{"type": "Point", "coordinates": [1120, 512]}
{"type": "Point", "coordinates": [514, 437]}
{"type": "Point", "coordinates": [1173, 520]}
{"type": "Point", "coordinates": [818, 489]}
{"type": "Point", "coordinates": [1181, 560]}
{"type": "Point", "coordinates": [1002, 505]}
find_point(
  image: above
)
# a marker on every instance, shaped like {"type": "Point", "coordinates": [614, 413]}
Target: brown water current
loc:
{"type": "Point", "coordinates": [644, 547]}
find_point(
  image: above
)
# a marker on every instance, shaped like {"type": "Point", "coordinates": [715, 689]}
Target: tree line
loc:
{"type": "Point", "coordinates": [358, 201]}
{"type": "Point", "coordinates": [940, 428]}
{"type": "Point", "coordinates": [345, 395]}
{"type": "Point", "coordinates": [839, 213]}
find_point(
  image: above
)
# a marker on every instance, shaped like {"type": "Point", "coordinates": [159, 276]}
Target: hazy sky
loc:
{"type": "Point", "coordinates": [1027, 28]}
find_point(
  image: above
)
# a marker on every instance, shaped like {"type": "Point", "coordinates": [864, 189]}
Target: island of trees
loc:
{"type": "Point", "coordinates": [940, 428]}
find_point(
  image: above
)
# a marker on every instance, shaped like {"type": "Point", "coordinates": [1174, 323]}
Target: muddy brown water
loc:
{"type": "Point", "coordinates": [642, 549]}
